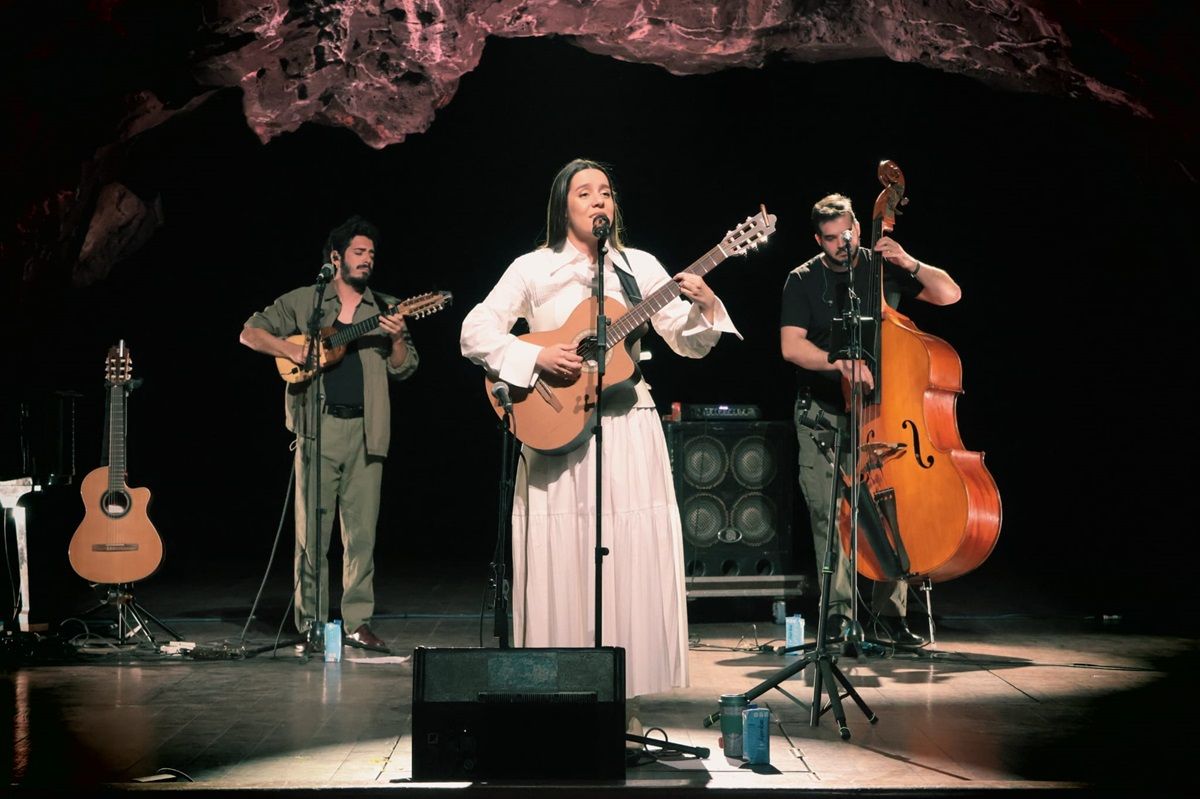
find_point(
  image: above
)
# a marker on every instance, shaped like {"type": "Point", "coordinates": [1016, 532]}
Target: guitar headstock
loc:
{"type": "Point", "coordinates": [118, 366]}
{"type": "Point", "coordinates": [424, 304]}
{"type": "Point", "coordinates": [751, 233]}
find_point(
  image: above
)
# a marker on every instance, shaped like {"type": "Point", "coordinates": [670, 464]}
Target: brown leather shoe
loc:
{"type": "Point", "coordinates": [363, 638]}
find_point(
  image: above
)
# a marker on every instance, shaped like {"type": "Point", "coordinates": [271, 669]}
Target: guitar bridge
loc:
{"type": "Point", "coordinates": [114, 547]}
{"type": "Point", "coordinates": [548, 395]}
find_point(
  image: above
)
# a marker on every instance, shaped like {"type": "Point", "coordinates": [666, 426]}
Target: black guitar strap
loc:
{"type": "Point", "coordinates": [634, 295]}
{"type": "Point", "coordinates": [628, 284]}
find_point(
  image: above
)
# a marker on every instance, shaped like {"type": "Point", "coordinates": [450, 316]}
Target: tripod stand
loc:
{"type": "Point", "coordinates": [121, 597]}
{"type": "Point", "coordinates": [822, 653]}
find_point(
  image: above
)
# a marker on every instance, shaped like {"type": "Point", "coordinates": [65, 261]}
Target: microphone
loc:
{"type": "Point", "coordinates": [846, 234]}
{"type": "Point", "coordinates": [600, 226]}
{"type": "Point", "coordinates": [326, 274]}
{"type": "Point", "coordinates": [500, 392]}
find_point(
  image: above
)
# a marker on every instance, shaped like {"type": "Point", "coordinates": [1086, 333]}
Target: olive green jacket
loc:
{"type": "Point", "coordinates": [288, 316]}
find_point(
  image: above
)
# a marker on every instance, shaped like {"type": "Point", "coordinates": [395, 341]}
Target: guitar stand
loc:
{"type": "Point", "coordinates": [128, 610]}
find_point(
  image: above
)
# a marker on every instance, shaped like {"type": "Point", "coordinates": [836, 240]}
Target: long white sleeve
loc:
{"type": "Point", "coordinates": [486, 338]}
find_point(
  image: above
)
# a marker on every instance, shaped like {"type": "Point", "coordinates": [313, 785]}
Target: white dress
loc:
{"type": "Point", "coordinates": [554, 523]}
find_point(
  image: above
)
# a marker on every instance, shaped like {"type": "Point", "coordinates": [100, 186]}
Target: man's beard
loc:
{"type": "Point", "coordinates": [845, 258]}
{"type": "Point", "coordinates": [356, 282]}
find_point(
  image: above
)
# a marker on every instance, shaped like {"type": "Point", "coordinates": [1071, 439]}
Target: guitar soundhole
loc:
{"type": "Point", "coordinates": [586, 349]}
{"type": "Point", "coordinates": [115, 504]}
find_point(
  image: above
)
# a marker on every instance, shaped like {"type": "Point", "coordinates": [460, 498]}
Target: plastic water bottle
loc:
{"type": "Point", "coordinates": [333, 641]}
{"type": "Point", "coordinates": [795, 633]}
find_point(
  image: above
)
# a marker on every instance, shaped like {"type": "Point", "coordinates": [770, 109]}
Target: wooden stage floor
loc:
{"type": "Point", "coordinates": [1013, 696]}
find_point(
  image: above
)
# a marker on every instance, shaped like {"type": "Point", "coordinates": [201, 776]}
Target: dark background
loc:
{"type": "Point", "coordinates": [1066, 223]}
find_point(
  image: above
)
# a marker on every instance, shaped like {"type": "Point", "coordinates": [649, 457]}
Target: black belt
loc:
{"type": "Point", "coordinates": [344, 411]}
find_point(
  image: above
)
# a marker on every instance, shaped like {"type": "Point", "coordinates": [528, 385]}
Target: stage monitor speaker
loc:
{"type": "Point", "coordinates": [734, 482]}
{"type": "Point", "coordinates": [518, 714]}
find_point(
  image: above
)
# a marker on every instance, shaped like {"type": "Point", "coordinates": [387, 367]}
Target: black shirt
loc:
{"type": "Point", "coordinates": [811, 296]}
{"type": "Point", "coordinates": [344, 380]}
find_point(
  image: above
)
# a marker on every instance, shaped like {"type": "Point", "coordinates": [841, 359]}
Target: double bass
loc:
{"type": "Point", "coordinates": [933, 501]}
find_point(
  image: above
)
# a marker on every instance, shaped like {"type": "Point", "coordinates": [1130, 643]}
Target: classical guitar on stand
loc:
{"type": "Point", "coordinates": [116, 542]}
{"type": "Point", "coordinates": [554, 416]}
{"type": "Point", "coordinates": [333, 342]}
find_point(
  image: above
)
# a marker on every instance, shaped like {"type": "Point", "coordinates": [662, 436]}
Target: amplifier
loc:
{"type": "Point", "coordinates": [700, 413]}
{"type": "Point", "coordinates": [521, 714]}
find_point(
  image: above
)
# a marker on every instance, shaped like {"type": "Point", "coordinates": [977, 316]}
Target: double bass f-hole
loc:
{"type": "Point", "coordinates": [923, 462]}
{"type": "Point", "coordinates": [877, 453]}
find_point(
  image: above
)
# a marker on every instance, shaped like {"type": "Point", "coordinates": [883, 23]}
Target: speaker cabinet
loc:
{"type": "Point", "coordinates": [518, 714]}
{"type": "Point", "coordinates": [734, 482]}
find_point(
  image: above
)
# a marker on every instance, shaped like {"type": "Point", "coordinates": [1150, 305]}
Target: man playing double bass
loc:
{"type": "Point", "coordinates": [810, 303]}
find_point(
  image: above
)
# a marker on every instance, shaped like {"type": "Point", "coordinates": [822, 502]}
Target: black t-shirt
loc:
{"type": "Point", "coordinates": [343, 382]}
{"type": "Point", "coordinates": [811, 296]}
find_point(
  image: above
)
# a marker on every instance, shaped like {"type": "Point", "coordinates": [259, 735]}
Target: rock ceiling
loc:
{"type": "Point", "coordinates": [383, 69]}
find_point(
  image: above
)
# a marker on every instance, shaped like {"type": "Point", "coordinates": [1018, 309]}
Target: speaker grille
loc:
{"type": "Point", "coordinates": [705, 460]}
{"type": "Point", "coordinates": [753, 463]}
{"type": "Point", "coordinates": [734, 482]}
{"type": "Point", "coordinates": [704, 517]}
{"type": "Point", "coordinates": [755, 517]}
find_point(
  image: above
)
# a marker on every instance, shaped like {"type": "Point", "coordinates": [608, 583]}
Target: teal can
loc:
{"type": "Point", "coordinates": [732, 706]}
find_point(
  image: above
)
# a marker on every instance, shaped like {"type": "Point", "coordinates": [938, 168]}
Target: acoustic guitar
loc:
{"type": "Point", "coordinates": [116, 542]}
{"type": "Point", "coordinates": [332, 342]}
{"type": "Point", "coordinates": [554, 416]}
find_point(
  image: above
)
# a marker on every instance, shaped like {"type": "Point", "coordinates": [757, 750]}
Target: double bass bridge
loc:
{"type": "Point", "coordinates": [878, 453]}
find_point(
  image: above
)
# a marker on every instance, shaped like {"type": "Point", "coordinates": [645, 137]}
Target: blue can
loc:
{"type": "Point", "coordinates": [333, 642]}
{"type": "Point", "coordinates": [795, 633]}
{"type": "Point", "coordinates": [756, 735]}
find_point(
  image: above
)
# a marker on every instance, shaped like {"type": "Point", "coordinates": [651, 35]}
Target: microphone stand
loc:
{"type": "Point", "coordinates": [600, 231]}
{"type": "Point", "coordinates": [826, 674]}
{"type": "Point", "coordinates": [312, 362]}
{"type": "Point", "coordinates": [854, 631]}
{"type": "Point", "coordinates": [500, 585]}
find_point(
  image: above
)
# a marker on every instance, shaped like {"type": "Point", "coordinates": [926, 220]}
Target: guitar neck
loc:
{"type": "Point", "coordinates": [348, 334]}
{"type": "Point", "coordinates": [658, 299]}
{"type": "Point", "coordinates": [116, 437]}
